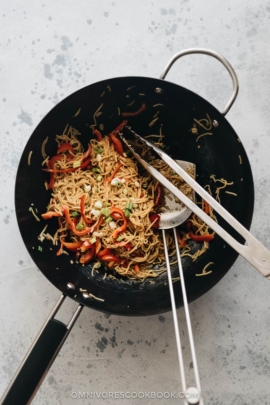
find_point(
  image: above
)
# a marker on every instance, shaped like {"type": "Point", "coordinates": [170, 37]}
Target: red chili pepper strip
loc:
{"type": "Point", "coordinates": [159, 195]}
{"type": "Point", "coordinates": [86, 220]}
{"type": "Point", "coordinates": [71, 169]}
{"type": "Point", "coordinates": [133, 114]}
{"type": "Point", "coordinates": [206, 207]}
{"type": "Point", "coordinates": [111, 258]}
{"type": "Point", "coordinates": [50, 214]}
{"type": "Point", "coordinates": [65, 146]}
{"type": "Point", "coordinates": [88, 256]}
{"type": "Point", "coordinates": [156, 218]}
{"type": "Point", "coordinates": [201, 238]}
{"type": "Point", "coordinates": [72, 245]}
{"type": "Point", "coordinates": [98, 135]}
{"type": "Point", "coordinates": [136, 268]}
{"type": "Point", "coordinates": [86, 245]}
{"type": "Point", "coordinates": [119, 127]}
{"type": "Point", "coordinates": [104, 252]}
{"type": "Point", "coordinates": [125, 244]}
{"type": "Point", "coordinates": [87, 153]}
{"type": "Point", "coordinates": [115, 215]}
{"type": "Point", "coordinates": [109, 179]}
{"type": "Point", "coordinates": [124, 226]}
{"type": "Point", "coordinates": [116, 144]}
{"type": "Point", "coordinates": [72, 225]}
{"type": "Point", "coordinates": [98, 246]}
{"type": "Point", "coordinates": [182, 243]}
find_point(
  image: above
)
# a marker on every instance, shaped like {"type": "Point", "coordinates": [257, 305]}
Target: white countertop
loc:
{"type": "Point", "coordinates": [50, 49]}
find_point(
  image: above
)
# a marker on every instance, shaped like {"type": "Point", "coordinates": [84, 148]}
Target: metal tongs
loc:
{"type": "Point", "coordinates": [254, 251]}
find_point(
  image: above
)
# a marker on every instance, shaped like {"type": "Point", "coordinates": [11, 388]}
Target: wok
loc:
{"type": "Point", "coordinates": [221, 154]}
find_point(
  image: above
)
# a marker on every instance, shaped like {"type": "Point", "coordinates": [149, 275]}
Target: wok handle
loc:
{"type": "Point", "coordinates": [214, 54]}
{"type": "Point", "coordinates": [39, 359]}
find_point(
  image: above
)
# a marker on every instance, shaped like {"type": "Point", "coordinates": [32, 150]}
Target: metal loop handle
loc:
{"type": "Point", "coordinates": [214, 54]}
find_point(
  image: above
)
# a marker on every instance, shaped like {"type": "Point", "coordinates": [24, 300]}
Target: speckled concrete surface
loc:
{"type": "Point", "coordinates": [50, 49]}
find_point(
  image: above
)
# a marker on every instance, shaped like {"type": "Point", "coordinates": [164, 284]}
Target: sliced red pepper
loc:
{"type": "Point", "coordinates": [104, 252]}
{"type": "Point", "coordinates": [86, 220]}
{"type": "Point", "coordinates": [124, 226]}
{"type": "Point", "coordinates": [158, 196]}
{"type": "Point", "coordinates": [115, 215]}
{"type": "Point", "coordinates": [98, 246]}
{"type": "Point", "coordinates": [182, 243]}
{"type": "Point", "coordinates": [87, 153]}
{"type": "Point", "coordinates": [71, 169]}
{"type": "Point", "coordinates": [116, 144]}
{"type": "Point", "coordinates": [98, 135]}
{"type": "Point", "coordinates": [119, 127]}
{"type": "Point", "coordinates": [111, 258]}
{"type": "Point", "coordinates": [125, 244]}
{"type": "Point", "coordinates": [133, 114]}
{"type": "Point", "coordinates": [201, 238]}
{"type": "Point", "coordinates": [88, 256]}
{"type": "Point", "coordinates": [136, 268]}
{"type": "Point", "coordinates": [206, 207]}
{"type": "Point", "coordinates": [65, 146]}
{"type": "Point", "coordinates": [156, 218]}
{"type": "Point", "coordinates": [50, 214]}
{"type": "Point", "coordinates": [109, 179]}
{"type": "Point", "coordinates": [72, 225]}
{"type": "Point", "coordinates": [72, 245]}
{"type": "Point", "coordinates": [86, 245]}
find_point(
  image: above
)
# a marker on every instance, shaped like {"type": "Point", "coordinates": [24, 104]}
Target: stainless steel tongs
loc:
{"type": "Point", "coordinates": [253, 251]}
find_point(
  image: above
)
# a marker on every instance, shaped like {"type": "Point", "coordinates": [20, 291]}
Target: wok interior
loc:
{"type": "Point", "coordinates": [217, 154]}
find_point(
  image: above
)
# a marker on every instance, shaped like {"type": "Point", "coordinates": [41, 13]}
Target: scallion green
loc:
{"type": "Point", "coordinates": [77, 163]}
{"type": "Point", "coordinates": [79, 227]}
{"type": "Point", "coordinates": [105, 211]}
{"type": "Point", "coordinates": [127, 213]}
{"type": "Point", "coordinates": [96, 170]}
{"type": "Point", "coordinates": [74, 214]}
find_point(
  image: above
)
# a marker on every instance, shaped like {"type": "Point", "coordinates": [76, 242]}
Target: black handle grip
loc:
{"type": "Point", "coordinates": [36, 364]}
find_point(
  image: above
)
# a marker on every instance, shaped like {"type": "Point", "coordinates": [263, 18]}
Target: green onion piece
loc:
{"type": "Point", "coordinates": [127, 152]}
{"type": "Point", "coordinates": [80, 227]}
{"type": "Point", "coordinates": [40, 248]}
{"type": "Point", "coordinates": [98, 150]}
{"type": "Point", "coordinates": [119, 238]}
{"type": "Point", "coordinates": [107, 204]}
{"type": "Point", "coordinates": [77, 163]}
{"type": "Point", "coordinates": [93, 240]}
{"type": "Point", "coordinates": [74, 214]}
{"type": "Point", "coordinates": [109, 219]}
{"type": "Point", "coordinates": [96, 170]}
{"type": "Point", "coordinates": [127, 213]}
{"type": "Point", "coordinates": [119, 184]}
{"type": "Point", "coordinates": [105, 211]}
{"type": "Point", "coordinates": [99, 178]}
{"type": "Point", "coordinates": [129, 206]}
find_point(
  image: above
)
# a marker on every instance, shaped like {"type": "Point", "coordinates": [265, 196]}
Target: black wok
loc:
{"type": "Point", "coordinates": [217, 154]}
